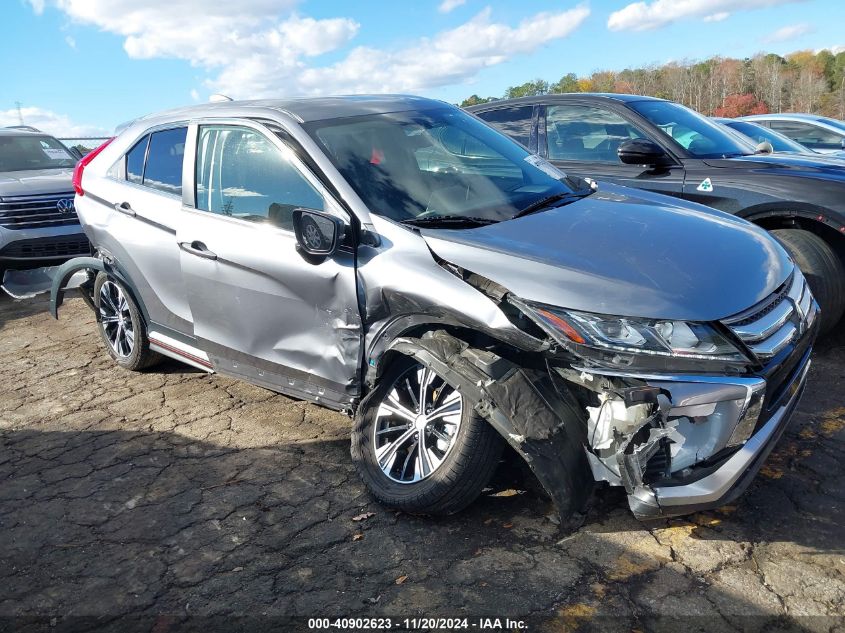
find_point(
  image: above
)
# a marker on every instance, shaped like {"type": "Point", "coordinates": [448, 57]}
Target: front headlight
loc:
{"type": "Point", "coordinates": [634, 342]}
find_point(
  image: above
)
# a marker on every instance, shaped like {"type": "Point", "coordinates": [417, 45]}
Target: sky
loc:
{"type": "Point", "coordinates": [81, 67]}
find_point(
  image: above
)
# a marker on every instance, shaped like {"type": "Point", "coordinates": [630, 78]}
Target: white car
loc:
{"type": "Point", "coordinates": [821, 134]}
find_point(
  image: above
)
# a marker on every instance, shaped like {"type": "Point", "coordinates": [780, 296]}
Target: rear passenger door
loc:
{"type": "Point", "coordinates": [143, 196]}
{"type": "Point", "coordinates": [263, 311]}
{"type": "Point", "coordinates": [582, 139]}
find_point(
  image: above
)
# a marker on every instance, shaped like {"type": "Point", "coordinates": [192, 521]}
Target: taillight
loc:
{"type": "Point", "coordinates": [83, 163]}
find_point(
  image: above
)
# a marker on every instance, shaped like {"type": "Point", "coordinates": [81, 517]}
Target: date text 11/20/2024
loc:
{"type": "Point", "coordinates": [428, 624]}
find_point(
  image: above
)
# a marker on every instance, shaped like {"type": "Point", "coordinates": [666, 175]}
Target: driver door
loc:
{"type": "Point", "coordinates": [582, 140]}
{"type": "Point", "coordinates": [262, 310]}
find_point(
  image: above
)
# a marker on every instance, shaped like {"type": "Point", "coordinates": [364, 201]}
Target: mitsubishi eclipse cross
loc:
{"type": "Point", "coordinates": [396, 259]}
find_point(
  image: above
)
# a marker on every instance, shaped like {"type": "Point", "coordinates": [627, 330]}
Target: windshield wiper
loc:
{"type": "Point", "coordinates": [549, 201]}
{"type": "Point", "coordinates": [449, 220]}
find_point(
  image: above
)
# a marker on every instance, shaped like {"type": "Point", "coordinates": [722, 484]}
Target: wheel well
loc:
{"type": "Point", "coordinates": [835, 239]}
{"type": "Point", "coordinates": [474, 338]}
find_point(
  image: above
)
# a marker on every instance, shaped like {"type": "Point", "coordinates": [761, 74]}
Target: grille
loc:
{"type": "Point", "coordinates": [47, 248]}
{"type": "Point", "coordinates": [777, 321]}
{"type": "Point", "coordinates": [39, 211]}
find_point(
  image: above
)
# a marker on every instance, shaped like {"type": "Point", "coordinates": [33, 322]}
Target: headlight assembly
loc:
{"type": "Point", "coordinates": [634, 342]}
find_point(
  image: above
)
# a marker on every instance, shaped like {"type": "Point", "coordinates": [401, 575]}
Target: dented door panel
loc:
{"type": "Point", "coordinates": [262, 311]}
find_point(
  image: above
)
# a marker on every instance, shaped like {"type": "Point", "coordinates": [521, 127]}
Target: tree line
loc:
{"type": "Point", "coordinates": [803, 81]}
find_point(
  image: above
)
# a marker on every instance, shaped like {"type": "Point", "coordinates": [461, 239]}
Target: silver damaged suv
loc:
{"type": "Point", "coordinates": [397, 259]}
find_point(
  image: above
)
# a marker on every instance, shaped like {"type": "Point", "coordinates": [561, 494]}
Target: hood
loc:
{"type": "Point", "coordinates": [807, 164]}
{"type": "Point", "coordinates": [35, 181]}
{"type": "Point", "coordinates": [618, 252]}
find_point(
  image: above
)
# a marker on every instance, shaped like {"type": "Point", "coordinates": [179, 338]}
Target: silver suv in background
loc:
{"type": "Point", "coordinates": [397, 259]}
{"type": "Point", "coordinates": [38, 221]}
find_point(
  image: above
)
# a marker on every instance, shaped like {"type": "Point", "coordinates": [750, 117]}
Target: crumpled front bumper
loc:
{"type": "Point", "coordinates": [728, 480]}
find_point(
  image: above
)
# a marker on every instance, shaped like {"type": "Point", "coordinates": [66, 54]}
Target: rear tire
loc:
{"type": "Point", "coordinates": [120, 325]}
{"type": "Point", "coordinates": [462, 447]}
{"type": "Point", "coordinates": [823, 269]}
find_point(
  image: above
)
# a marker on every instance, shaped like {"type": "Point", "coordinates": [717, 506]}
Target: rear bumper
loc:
{"type": "Point", "coordinates": [730, 479]}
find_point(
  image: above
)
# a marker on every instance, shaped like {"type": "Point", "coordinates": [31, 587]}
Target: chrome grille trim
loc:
{"type": "Point", "coordinates": [36, 211]}
{"type": "Point", "coordinates": [767, 325]}
{"type": "Point", "coordinates": [776, 321]}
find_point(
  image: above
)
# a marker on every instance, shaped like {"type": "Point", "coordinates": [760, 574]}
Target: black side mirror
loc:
{"type": "Point", "coordinates": [641, 151]}
{"type": "Point", "coordinates": [842, 143]}
{"type": "Point", "coordinates": [317, 233]}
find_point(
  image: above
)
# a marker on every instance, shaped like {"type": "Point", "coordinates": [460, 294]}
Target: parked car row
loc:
{"type": "Point", "coordinates": [456, 293]}
{"type": "Point", "coordinates": [666, 148]}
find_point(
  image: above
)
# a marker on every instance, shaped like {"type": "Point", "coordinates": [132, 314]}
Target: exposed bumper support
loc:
{"type": "Point", "coordinates": [727, 482]}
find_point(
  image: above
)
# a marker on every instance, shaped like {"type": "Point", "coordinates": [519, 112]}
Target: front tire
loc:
{"type": "Point", "coordinates": [121, 326]}
{"type": "Point", "coordinates": [418, 444]}
{"type": "Point", "coordinates": [823, 269]}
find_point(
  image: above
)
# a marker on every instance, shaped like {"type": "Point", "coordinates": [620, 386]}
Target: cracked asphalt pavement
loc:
{"type": "Point", "coordinates": [181, 493]}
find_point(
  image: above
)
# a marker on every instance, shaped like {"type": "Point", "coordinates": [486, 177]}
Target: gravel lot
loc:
{"type": "Point", "coordinates": [176, 492]}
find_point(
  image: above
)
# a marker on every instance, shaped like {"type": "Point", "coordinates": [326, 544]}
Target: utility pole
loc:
{"type": "Point", "coordinates": [20, 114]}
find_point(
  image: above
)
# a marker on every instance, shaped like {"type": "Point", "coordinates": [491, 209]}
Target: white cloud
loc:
{"type": "Point", "coordinates": [788, 33]}
{"type": "Point", "coordinates": [70, 42]}
{"type": "Point", "coordinates": [717, 17]}
{"type": "Point", "coordinates": [449, 57]}
{"type": "Point", "coordinates": [195, 96]}
{"type": "Point", "coordinates": [50, 122]}
{"type": "Point", "coordinates": [653, 14]}
{"type": "Point", "coordinates": [450, 5]}
{"type": "Point", "coordinates": [255, 48]}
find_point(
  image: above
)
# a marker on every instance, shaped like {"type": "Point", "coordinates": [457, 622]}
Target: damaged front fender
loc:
{"type": "Point", "coordinates": [543, 424]}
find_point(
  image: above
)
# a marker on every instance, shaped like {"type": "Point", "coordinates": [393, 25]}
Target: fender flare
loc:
{"type": "Point", "coordinates": [72, 266]}
{"type": "Point", "coordinates": [523, 405]}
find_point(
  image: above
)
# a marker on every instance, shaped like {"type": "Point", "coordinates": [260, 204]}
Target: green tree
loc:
{"type": "Point", "coordinates": [567, 83]}
{"type": "Point", "coordinates": [475, 100]}
{"type": "Point", "coordinates": [528, 89]}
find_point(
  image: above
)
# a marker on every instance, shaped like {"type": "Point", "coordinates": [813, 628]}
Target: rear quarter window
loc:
{"type": "Point", "coordinates": [163, 170]}
{"type": "Point", "coordinates": [135, 161]}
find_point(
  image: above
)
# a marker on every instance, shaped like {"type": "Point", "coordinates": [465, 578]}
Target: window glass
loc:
{"type": "Point", "coordinates": [135, 161]}
{"type": "Point", "coordinates": [809, 135]}
{"type": "Point", "coordinates": [436, 162]}
{"type": "Point", "coordinates": [758, 134]}
{"type": "Point", "coordinates": [587, 133]}
{"type": "Point", "coordinates": [515, 122]}
{"type": "Point", "coordinates": [164, 160]}
{"type": "Point", "coordinates": [240, 173]}
{"type": "Point", "coordinates": [22, 152]}
{"type": "Point", "coordinates": [697, 134]}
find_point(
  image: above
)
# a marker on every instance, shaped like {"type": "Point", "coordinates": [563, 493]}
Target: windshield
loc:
{"type": "Point", "coordinates": [697, 134]}
{"type": "Point", "coordinates": [441, 162]}
{"type": "Point", "coordinates": [19, 153]}
{"type": "Point", "coordinates": [758, 134]}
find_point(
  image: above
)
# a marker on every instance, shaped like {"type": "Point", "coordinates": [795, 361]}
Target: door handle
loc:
{"type": "Point", "coordinates": [124, 208]}
{"type": "Point", "coordinates": [197, 248]}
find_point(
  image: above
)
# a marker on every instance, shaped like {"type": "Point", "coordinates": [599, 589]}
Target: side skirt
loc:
{"type": "Point", "coordinates": [168, 346]}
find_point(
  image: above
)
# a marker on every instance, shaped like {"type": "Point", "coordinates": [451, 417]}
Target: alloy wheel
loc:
{"type": "Point", "coordinates": [116, 319]}
{"type": "Point", "coordinates": [416, 425]}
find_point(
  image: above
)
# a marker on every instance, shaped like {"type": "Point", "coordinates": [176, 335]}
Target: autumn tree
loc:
{"type": "Point", "coordinates": [740, 105]}
{"type": "Point", "coordinates": [803, 81]}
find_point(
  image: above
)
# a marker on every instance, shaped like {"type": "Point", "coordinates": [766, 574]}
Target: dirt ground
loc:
{"type": "Point", "coordinates": [173, 494]}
